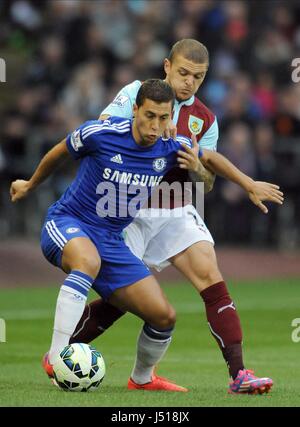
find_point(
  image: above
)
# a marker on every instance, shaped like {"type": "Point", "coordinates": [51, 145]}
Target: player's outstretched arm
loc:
{"type": "Point", "coordinates": [258, 191]}
{"type": "Point", "coordinates": [54, 158]}
{"type": "Point", "coordinates": [189, 159]}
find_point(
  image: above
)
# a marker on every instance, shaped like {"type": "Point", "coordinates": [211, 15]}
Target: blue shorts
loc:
{"type": "Point", "coordinates": [119, 267]}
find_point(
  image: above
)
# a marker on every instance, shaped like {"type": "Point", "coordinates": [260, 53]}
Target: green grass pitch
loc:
{"type": "Point", "coordinates": [193, 359]}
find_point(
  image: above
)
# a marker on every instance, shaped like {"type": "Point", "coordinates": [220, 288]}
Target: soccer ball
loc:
{"type": "Point", "coordinates": [79, 367]}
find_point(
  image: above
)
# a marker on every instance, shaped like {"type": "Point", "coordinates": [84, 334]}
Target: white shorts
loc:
{"type": "Point", "coordinates": [156, 235]}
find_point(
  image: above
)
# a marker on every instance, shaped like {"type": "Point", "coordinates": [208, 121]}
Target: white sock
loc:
{"type": "Point", "coordinates": [149, 352]}
{"type": "Point", "coordinates": [69, 309]}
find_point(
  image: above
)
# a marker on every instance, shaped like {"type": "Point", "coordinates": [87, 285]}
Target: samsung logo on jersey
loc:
{"type": "Point", "coordinates": [131, 178]}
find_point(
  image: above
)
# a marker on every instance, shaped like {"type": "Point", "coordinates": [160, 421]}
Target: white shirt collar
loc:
{"type": "Point", "coordinates": [178, 105]}
{"type": "Point", "coordinates": [188, 102]}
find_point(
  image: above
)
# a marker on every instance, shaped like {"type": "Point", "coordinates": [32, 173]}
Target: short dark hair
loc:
{"type": "Point", "coordinates": [157, 90]}
{"type": "Point", "coordinates": [190, 49]}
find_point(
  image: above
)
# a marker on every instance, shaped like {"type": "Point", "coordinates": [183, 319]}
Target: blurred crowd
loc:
{"type": "Point", "coordinates": [68, 58]}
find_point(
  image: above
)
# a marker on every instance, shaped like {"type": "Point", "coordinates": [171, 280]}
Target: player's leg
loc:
{"type": "Point", "coordinates": [81, 260]}
{"type": "Point", "coordinates": [126, 283]}
{"type": "Point", "coordinates": [187, 243]}
{"type": "Point", "coordinates": [99, 315]}
{"type": "Point", "coordinates": [146, 299]}
{"type": "Point", "coordinates": [198, 263]}
{"type": "Point", "coordinates": [68, 247]}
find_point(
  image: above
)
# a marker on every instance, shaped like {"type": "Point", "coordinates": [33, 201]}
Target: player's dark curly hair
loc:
{"type": "Point", "coordinates": [190, 49]}
{"type": "Point", "coordinates": [157, 90]}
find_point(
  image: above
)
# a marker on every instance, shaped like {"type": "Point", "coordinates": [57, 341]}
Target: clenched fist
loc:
{"type": "Point", "coordinates": [19, 189]}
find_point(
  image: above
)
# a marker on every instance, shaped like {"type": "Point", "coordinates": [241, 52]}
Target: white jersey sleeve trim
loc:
{"type": "Point", "coordinates": [122, 105]}
{"type": "Point", "coordinates": [184, 140]}
{"type": "Point", "coordinates": [210, 139]}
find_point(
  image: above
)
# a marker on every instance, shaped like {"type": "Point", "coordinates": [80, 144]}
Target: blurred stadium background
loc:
{"type": "Point", "coordinates": [67, 59]}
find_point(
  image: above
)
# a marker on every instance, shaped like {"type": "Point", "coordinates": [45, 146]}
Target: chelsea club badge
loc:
{"type": "Point", "coordinates": [159, 164]}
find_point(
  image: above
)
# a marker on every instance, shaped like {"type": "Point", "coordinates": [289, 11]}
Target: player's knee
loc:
{"type": "Point", "coordinates": [165, 319]}
{"type": "Point", "coordinates": [89, 265]}
{"type": "Point", "coordinates": [207, 270]}
{"type": "Point", "coordinates": [209, 273]}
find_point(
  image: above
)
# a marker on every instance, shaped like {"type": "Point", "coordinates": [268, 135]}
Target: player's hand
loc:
{"type": "Point", "coordinates": [189, 159]}
{"type": "Point", "coordinates": [19, 189]}
{"type": "Point", "coordinates": [264, 191]}
{"type": "Point", "coordinates": [171, 131]}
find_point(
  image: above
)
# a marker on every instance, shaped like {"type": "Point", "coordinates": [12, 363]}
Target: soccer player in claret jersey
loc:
{"type": "Point", "coordinates": [185, 242]}
{"type": "Point", "coordinates": [122, 161]}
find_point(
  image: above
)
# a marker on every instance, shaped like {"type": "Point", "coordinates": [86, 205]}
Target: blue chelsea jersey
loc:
{"type": "Point", "coordinates": [116, 175]}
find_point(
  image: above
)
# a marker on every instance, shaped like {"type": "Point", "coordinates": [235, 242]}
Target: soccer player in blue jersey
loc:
{"type": "Point", "coordinates": [185, 241]}
{"type": "Point", "coordinates": [120, 159]}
